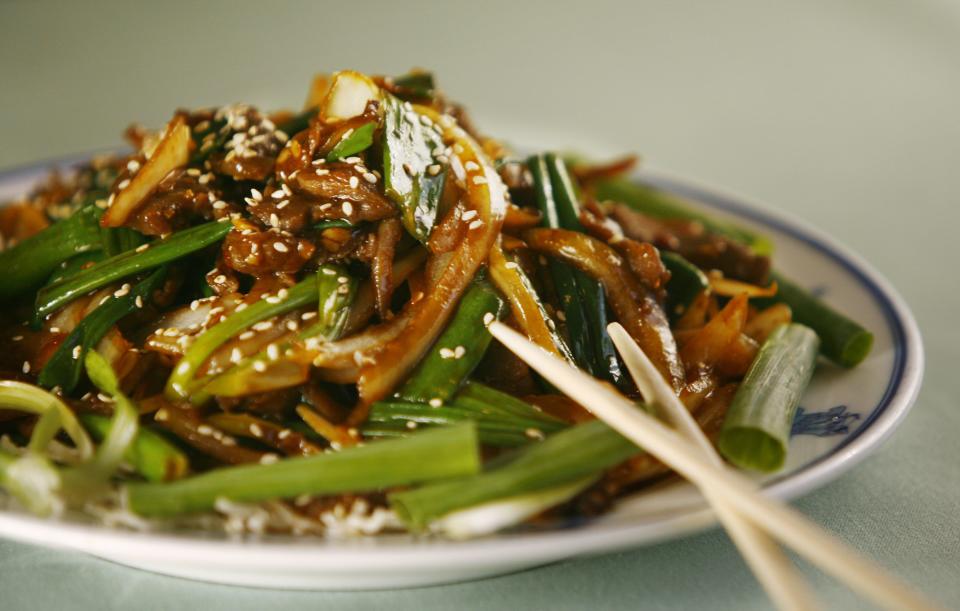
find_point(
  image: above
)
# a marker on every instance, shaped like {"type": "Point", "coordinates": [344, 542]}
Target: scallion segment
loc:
{"type": "Point", "coordinates": [430, 455]}
{"type": "Point", "coordinates": [180, 244]}
{"type": "Point", "coordinates": [357, 141]}
{"type": "Point", "coordinates": [562, 458]}
{"type": "Point", "coordinates": [335, 291]}
{"type": "Point", "coordinates": [66, 365]}
{"type": "Point", "coordinates": [842, 340]}
{"type": "Point", "coordinates": [150, 454]}
{"type": "Point", "coordinates": [458, 350]}
{"type": "Point", "coordinates": [686, 282]}
{"type": "Point", "coordinates": [181, 383]}
{"type": "Point", "coordinates": [582, 298]}
{"type": "Point", "coordinates": [756, 430]}
{"type": "Point", "coordinates": [29, 263]}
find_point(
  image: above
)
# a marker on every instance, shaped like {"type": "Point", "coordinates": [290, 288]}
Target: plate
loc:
{"type": "Point", "coordinates": [845, 415]}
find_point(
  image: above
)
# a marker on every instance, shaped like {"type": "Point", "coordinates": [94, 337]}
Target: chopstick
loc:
{"type": "Point", "coordinates": [776, 518]}
{"type": "Point", "coordinates": [769, 564]}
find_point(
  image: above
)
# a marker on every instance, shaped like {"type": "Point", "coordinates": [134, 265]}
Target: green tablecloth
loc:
{"type": "Point", "coordinates": [844, 113]}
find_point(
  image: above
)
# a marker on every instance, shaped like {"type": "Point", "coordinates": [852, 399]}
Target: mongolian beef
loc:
{"type": "Point", "coordinates": [277, 321]}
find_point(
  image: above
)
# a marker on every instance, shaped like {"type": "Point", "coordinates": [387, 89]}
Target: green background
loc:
{"type": "Point", "coordinates": [843, 113]}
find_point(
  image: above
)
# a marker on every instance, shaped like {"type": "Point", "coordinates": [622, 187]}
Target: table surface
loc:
{"type": "Point", "coordinates": [843, 113]}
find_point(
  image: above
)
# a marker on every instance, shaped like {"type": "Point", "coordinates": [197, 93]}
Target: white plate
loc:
{"type": "Point", "coordinates": [867, 403]}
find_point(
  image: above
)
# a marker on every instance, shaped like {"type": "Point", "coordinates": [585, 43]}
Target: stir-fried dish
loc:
{"type": "Point", "coordinates": [278, 322]}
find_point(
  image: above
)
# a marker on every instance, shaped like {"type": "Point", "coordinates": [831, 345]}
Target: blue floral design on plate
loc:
{"type": "Point", "coordinates": [834, 421]}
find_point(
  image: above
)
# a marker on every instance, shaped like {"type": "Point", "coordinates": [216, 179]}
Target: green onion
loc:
{"type": "Point", "coordinates": [491, 517]}
{"type": "Point", "coordinates": [123, 424]}
{"type": "Point", "coordinates": [582, 298]}
{"type": "Point", "coordinates": [74, 265]}
{"type": "Point", "coordinates": [65, 366]}
{"type": "Point", "coordinates": [181, 383]}
{"type": "Point", "coordinates": [131, 262]}
{"type": "Point", "coordinates": [686, 282]}
{"type": "Point", "coordinates": [355, 142]}
{"type": "Point", "coordinates": [150, 454]}
{"type": "Point", "coordinates": [407, 154]}
{"type": "Point", "coordinates": [116, 240]}
{"type": "Point", "coordinates": [563, 458]}
{"type": "Point", "coordinates": [661, 204]}
{"type": "Point", "coordinates": [458, 350]}
{"type": "Point", "coordinates": [26, 265]}
{"type": "Point", "coordinates": [481, 396]}
{"type": "Point", "coordinates": [335, 290]}
{"type": "Point", "coordinates": [31, 399]}
{"type": "Point", "coordinates": [756, 430]}
{"type": "Point", "coordinates": [436, 454]}
{"type": "Point", "coordinates": [842, 340]}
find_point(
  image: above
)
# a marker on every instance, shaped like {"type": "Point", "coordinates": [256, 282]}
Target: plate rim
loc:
{"type": "Point", "coordinates": [348, 555]}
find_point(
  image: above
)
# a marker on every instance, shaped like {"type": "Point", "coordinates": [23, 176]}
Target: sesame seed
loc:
{"type": "Point", "coordinates": [142, 247]}
{"type": "Point", "coordinates": [446, 353]}
{"type": "Point", "coordinates": [235, 355]}
{"type": "Point", "coordinates": [459, 351]}
{"type": "Point", "coordinates": [284, 434]}
{"type": "Point", "coordinates": [286, 188]}
{"type": "Point", "coordinates": [354, 182]}
{"type": "Point", "coordinates": [534, 433]}
{"type": "Point", "coordinates": [352, 160]}
{"type": "Point", "coordinates": [411, 424]}
{"type": "Point", "coordinates": [475, 224]}
{"type": "Point", "coordinates": [370, 177]}
{"type": "Point", "coordinates": [283, 204]}
{"type": "Point", "coordinates": [205, 429]}
{"type": "Point", "coordinates": [469, 214]}
{"type": "Point", "coordinates": [54, 329]}
{"type": "Point", "coordinates": [488, 318]}
{"type": "Point", "coordinates": [259, 366]}
{"type": "Point", "coordinates": [274, 219]}
{"type": "Point", "coordinates": [255, 430]}
{"type": "Point", "coordinates": [308, 315]}
{"type": "Point", "coordinates": [161, 415]}
{"type": "Point", "coordinates": [193, 172]}
{"type": "Point", "coordinates": [263, 325]}
{"type": "Point", "coordinates": [246, 335]}
{"type": "Point", "coordinates": [219, 205]}
{"type": "Point", "coordinates": [471, 166]}
{"type": "Point", "coordinates": [76, 352]}
{"type": "Point", "coordinates": [511, 265]}
{"type": "Point", "coordinates": [479, 180]}
{"type": "Point", "coordinates": [220, 279]}
{"type": "Point", "coordinates": [204, 179]}
{"type": "Point", "coordinates": [241, 307]}
{"type": "Point", "coordinates": [278, 194]}
{"type": "Point", "coordinates": [292, 325]}
{"type": "Point", "coordinates": [133, 165]}
{"type": "Point", "coordinates": [138, 301]}
{"type": "Point", "coordinates": [435, 402]}
{"type": "Point", "coordinates": [269, 459]}
{"type": "Point", "coordinates": [104, 398]}
{"type": "Point", "coordinates": [283, 293]}
{"type": "Point", "coordinates": [321, 172]}
{"type": "Point", "coordinates": [434, 169]}
{"type": "Point", "coordinates": [17, 338]}
{"type": "Point", "coordinates": [280, 247]}
{"type": "Point", "coordinates": [257, 195]}
{"type": "Point", "coordinates": [273, 352]}
{"type": "Point", "coordinates": [124, 184]}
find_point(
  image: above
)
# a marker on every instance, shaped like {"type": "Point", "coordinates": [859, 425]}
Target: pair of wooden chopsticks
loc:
{"type": "Point", "coordinates": [748, 516]}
